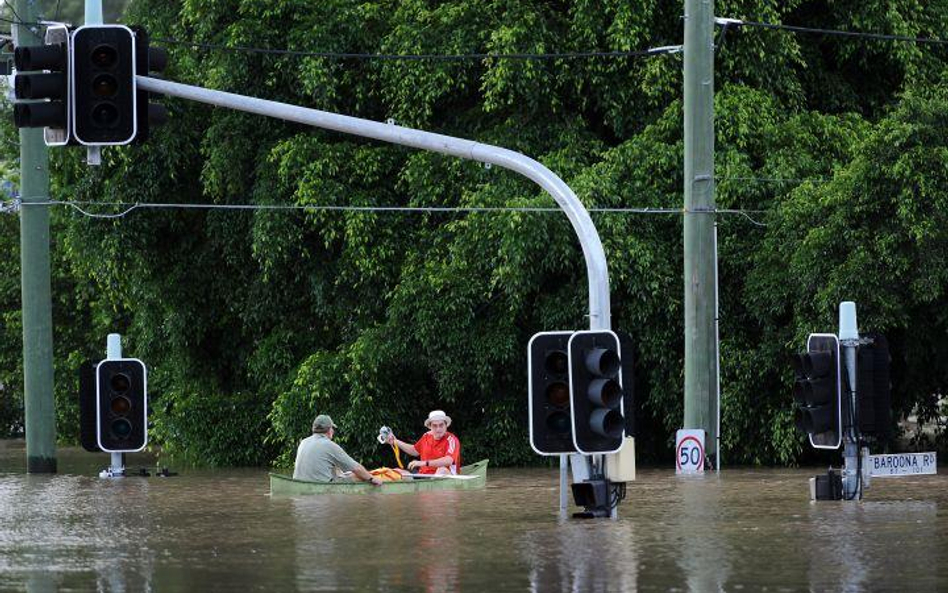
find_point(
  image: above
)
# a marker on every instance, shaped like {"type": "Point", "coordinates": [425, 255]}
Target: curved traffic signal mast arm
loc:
{"type": "Point", "coordinates": [598, 274]}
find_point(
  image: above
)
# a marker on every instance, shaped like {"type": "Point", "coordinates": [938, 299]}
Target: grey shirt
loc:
{"type": "Point", "coordinates": [318, 459]}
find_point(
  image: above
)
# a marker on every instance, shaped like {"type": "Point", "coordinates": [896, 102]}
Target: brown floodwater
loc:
{"type": "Point", "coordinates": [220, 530]}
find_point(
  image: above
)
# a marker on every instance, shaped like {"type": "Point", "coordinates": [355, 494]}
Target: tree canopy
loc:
{"type": "Point", "coordinates": [252, 321]}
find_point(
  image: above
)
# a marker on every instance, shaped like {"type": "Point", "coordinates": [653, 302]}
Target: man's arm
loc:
{"type": "Point", "coordinates": [364, 476]}
{"type": "Point", "coordinates": [445, 461]}
{"type": "Point", "coordinates": [344, 461]}
{"type": "Point", "coordinates": [406, 447]}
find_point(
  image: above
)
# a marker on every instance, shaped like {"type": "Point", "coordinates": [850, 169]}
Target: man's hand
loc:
{"type": "Point", "coordinates": [375, 481]}
{"type": "Point", "coordinates": [391, 438]}
{"type": "Point", "coordinates": [415, 464]}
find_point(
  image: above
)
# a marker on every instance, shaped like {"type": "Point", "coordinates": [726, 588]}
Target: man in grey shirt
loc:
{"type": "Point", "coordinates": [319, 459]}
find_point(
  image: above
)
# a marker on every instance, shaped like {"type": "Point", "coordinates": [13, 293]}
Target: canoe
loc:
{"type": "Point", "coordinates": [472, 477]}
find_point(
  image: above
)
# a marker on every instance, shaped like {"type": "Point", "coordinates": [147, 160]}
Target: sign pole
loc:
{"type": "Point", "coordinates": [849, 340]}
{"type": "Point", "coordinates": [113, 351]}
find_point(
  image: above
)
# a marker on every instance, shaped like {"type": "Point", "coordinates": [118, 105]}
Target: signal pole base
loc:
{"type": "Point", "coordinates": [117, 469]}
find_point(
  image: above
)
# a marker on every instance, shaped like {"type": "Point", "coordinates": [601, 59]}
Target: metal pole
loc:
{"type": "Point", "coordinates": [113, 351]}
{"type": "Point", "coordinates": [564, 484]}
{"type": "Point", "coordinates": [39, 405]}
{"type": "Point", "coordinates": [700, 347]}
{"type": "Point", "coordinates": [93, 16]}
{"type": "Point", "coordinates": [717, 358]}
{"type": "Point", "coordinates": [849, 340]}
{"type": "Point", "coordinates": [599, 311]}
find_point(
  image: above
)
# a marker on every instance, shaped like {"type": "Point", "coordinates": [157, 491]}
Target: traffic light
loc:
{"type": "Point", "coordinates": [548, 386]}
{"type": "Point", "coordinates": [817, 391]}
{"type": "Point", "coordinates": [88, 418]}
{"type": "Point", "coordinates": [873, 387]}
{"type": "Point", "coordinates": [595, 372]}
{"type": "Point", "coordinates": [104, 90]}
{"type": "Point", "coordinates": [46, 87]}
{"type": "Point", "coordinates": [121, 405]}
{"type": "Point", "coordinates": [148, 60]}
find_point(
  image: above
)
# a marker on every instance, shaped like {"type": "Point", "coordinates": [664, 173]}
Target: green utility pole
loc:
{"type": "Point", "coordinates": [701, 377]}
{"type": "Point", "coordinates": [34, 279]}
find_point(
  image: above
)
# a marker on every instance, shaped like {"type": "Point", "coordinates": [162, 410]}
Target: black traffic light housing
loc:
{"type": "Point", "coordinates": [548, 393]}
{"type": "Point", "coordinates": [88, 419]}
{"type": "Point", "coordinates": [873, 388]}
{"type": "Point", "coordinates": [121, 405]}
{"type": "Point", "coordinates": [46, 87]}
{"type": "Point", "coordinates": [817, 391]}
{"type": "Point", "coordinates": [103, 83]}
{"type": "Point", "coordinates": [148, 60]}
{"type": "Point", "coordinates": [596, 397]}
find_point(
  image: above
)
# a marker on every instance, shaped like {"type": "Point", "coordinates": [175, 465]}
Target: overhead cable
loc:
{"type": "Point", "coordinates": [670, 49]}
{"type": "Point", "coordinates": [727, 22]}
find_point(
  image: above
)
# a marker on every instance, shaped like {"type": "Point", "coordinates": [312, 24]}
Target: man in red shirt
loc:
{"type": "Point", "coordinates": [439, 451]}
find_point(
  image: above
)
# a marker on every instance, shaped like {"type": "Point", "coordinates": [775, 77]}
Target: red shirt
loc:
{"type": "Point", "coordinates": [429, 448]}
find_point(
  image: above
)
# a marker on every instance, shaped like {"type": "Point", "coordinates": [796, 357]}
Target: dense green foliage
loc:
{"type": "Point", "coordinates": [253, 321]}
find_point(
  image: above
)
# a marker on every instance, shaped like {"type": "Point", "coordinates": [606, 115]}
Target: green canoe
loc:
{"type": "Point", "coordinates": [472, 477]}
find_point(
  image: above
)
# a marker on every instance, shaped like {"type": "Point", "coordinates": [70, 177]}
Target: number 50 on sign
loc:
{"type": "Point", "coordinates": [689, 452]}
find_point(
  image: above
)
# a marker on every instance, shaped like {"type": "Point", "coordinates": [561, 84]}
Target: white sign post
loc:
{"type": "Point", "coordinates": [689, 451]}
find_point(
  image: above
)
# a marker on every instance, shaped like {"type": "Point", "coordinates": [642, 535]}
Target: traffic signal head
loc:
{"type": "Point", "coordinates": [595, 371]}
{"type": "Point", "coordinates": [873, 388]}
{"type": "Point", "coordinates": [148, 60]}
{"type": "Point", "coordinates": [46, 87]}
{"type": "Point", "coordinates": [104, 90]}
{"type": "Point", "coordinates": [548, 387]}
{"type": "Point", "coordinates": [817, 391]}
{"type": "Point", "coordinates": [121, 405]}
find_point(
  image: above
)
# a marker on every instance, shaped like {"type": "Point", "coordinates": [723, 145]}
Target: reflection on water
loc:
{"type": "Point", "coordinates": [745, 530]}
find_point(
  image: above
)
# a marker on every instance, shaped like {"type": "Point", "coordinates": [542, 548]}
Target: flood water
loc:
{"type": "Point", "coordinates": [220, 530]}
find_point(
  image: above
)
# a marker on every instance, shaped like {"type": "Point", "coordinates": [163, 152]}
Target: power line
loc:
{"type": "Point", "coordinates": [129, 207]}
{"type": "Point", "coordinates": [726, 22]}
{"type": "Point", "coordinates": [671, 49]}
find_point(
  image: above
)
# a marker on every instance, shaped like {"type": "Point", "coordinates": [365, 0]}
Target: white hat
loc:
{"type": "Point", "coordinates": [437, 415]}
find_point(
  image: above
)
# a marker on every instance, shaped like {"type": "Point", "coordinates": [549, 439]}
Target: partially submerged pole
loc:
{"type": "Point", "coordinates": [701, 376]}
{"type": "Point", "coordinates": [36, 306]}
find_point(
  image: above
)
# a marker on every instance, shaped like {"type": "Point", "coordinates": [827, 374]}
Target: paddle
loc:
{"type": "Point", "coordinates": [449, 476]}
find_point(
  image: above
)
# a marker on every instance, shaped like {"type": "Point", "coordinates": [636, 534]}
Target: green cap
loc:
{"type": "Point", "coordinates": [323, 423]}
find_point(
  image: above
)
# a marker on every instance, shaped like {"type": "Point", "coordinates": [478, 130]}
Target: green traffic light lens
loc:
{"type": "Point", "coordinates": [558, 422]}
{"type": "Point", "coordinates": [119, 383]}
{"type": "Point", "coordinates": [104, 56]}
{"type": "Point", "coordinates": [104, 85]}
{"type": "Point", "coordinates": [557, 394]}
{"type": "Point", "coordinates": [105, 115]}
{"type": "Point", "coordinates": [121, 428]}
{"type": "Point", "coordinates": [120, 405]}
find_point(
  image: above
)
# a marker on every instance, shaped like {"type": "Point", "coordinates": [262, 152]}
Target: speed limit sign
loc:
{"type": "Point", "coordinates": [689, 452]}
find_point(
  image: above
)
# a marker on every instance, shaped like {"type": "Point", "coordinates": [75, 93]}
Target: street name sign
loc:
{"type": "Point", "coordinates": [902, 464]}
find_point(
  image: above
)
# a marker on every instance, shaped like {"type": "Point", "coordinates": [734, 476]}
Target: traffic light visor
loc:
{"type": "Point", "coordinates": [603, 362]}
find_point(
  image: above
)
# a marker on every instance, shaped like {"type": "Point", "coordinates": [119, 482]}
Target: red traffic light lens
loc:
{"type": "Point", "coordinates": [104, 56]}
{"type": "Point", "coordinates": [120, 405]}
{"type": "Point", "coordinates": [119, 383]}
{"type": "Point", "coordinates": [556, 362]}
